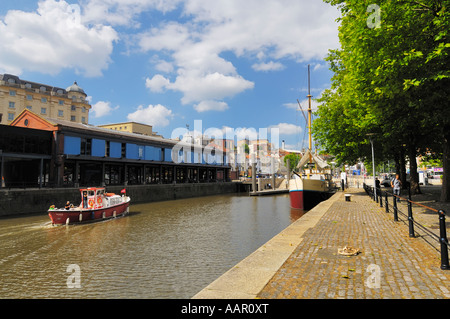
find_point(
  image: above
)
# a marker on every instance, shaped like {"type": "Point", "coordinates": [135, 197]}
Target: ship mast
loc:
{"type": "Point", "coordinates": [309, 117]}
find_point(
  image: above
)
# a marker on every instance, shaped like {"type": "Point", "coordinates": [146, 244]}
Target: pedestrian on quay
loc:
{"type": "Point", "coordinates": [396, 184]}
{"type": "Point", "coordinates": [343, 180]}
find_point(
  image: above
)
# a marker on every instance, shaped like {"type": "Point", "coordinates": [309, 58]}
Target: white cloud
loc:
{"type": "Point", "coordinates": [264, 30]}
{"type": "Point", "coordinates": [204, 106]}
{"type": "Point", "coordinates": [122, 12]}
{"type": "Point", "coordinates": [287, 129]}
{"type": "Point", "coordinates": [157, 84]}
{"type": "Point", "coordinates": [201, 88]}
{"type": "Point", "coordinates": [53, 38]}
{"type": "Point", "coordinates": [291, 106]}
{"type": "Point", "coordinates": [269, 66]}
{"type": "Point", "coordinates": [102, 108]}
{"type": "Point", "coordinates": [155, 115]}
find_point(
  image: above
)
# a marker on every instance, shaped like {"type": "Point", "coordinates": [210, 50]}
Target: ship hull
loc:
{"type": "Point", "coordinates": [79, 216]}
{"type": "Point", "coordinates": [305, 194]}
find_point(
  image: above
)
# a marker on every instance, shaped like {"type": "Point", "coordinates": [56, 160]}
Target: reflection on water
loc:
{"type": "Point", "coordinates": [161, 250]}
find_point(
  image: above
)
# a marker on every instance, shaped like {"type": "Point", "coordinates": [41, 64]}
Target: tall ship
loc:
{"type": "Point", "coordinates": [309, 186]}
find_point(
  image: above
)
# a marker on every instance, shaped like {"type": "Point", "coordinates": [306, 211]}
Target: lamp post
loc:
{"type": "Point", "coordinates": [373, 166]}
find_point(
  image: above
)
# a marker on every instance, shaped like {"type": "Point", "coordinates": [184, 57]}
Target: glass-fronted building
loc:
{"type": "Point", "coordinates": [79, 154]}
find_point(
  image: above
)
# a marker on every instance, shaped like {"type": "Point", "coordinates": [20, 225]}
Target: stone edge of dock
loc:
{"type": "Point", "coordinates": [246, 279]}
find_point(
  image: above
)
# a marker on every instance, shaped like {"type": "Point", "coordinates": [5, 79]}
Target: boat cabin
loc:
{"type": "Point", "coordinates": [92, 197]}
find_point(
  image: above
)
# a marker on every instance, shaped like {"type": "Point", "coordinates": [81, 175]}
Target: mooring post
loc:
{"type": "Point", "coordinates": [380, 195]}
{"type": "Point", "coordinates": [411, 220]}
{"type": "Point", "coordinates": [386, 202]}
{"type": "Point", "coordinates": [444, 241]}
{"type": "Point", "coordinates": [395, 209]}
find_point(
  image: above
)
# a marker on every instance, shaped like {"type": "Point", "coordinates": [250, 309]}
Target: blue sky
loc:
{"type": "Point", "coordinates": [167, 63]}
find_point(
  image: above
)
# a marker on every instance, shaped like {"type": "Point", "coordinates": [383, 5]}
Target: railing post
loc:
{"type": "Point", "coordinates": [411, 220]}
{"type": "Point", "coordinates": [395, 209]}
{"type": "Point", "coordinates": [386, 202]}
{"type": "Point", "coordinates": [380, 195]}
{"type": "Point", "coordinates": [444, 241]}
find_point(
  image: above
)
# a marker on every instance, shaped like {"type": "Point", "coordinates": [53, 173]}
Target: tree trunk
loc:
{"type": "Point", "coordinates": [403, 168]}
{"type": "Point", "coordinates": [413, 174]}
{"type": "Point", "coordinates": [445, 191]}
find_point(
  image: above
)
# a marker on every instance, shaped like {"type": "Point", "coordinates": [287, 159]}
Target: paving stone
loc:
{"type": "Point", "coordinates": [404, 267]}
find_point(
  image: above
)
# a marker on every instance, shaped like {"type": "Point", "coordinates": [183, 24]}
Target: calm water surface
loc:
{"type": "Point", "coordinates": [161, 250]}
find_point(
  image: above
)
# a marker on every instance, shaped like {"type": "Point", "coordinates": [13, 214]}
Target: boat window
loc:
{"type": "Point", "coordinates": [91, 193]}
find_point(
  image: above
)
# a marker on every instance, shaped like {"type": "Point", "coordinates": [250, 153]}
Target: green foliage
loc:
{"type": "Point", "coordinates": [293, 160]}
{"type": "Point", "coordinates": [392, 80]}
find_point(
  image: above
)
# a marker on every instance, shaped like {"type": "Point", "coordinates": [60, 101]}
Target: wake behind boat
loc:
{"type": "Point", "coordinates": [95, 205]}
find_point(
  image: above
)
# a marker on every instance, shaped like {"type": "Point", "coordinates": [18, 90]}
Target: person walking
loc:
{"type": "Point", "coordinates": [343, 180]}
{"type": "Point", "coordinates": [396, 184]}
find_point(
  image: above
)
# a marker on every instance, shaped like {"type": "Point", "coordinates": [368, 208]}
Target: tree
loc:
{"type": "Point", "coordinates": [391, 79]}
{"type": "Point", "coordinates": [294, 159]}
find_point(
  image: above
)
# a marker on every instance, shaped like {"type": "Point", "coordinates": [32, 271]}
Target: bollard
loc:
{"type": "Point", "coordinates": [386, 202]}
{"type": "Point", "coordinates": [444, 241]}
{"type": "Point", "coordinates": [380, 195]}
{"type": "Point", "coordinates": [411, 220]}
{"type": "Point", "coordinates": [395, 209]}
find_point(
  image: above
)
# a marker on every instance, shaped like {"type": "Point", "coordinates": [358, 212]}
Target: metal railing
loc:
{"type": "Point", "coordinates": [383, 196]}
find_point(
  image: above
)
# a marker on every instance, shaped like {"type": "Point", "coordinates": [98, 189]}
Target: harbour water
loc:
{"type": "Point", "coordinates": [169, 249]}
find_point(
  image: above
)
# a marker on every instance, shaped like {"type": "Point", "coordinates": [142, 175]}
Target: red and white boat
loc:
{"type": "Point", "coordinates": [313, 187]}
{"type": "Point", "coordinates": [95, 205]}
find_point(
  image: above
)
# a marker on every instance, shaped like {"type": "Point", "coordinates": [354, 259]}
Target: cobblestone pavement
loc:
{"type": "Point", "coordinates": [390, 265]}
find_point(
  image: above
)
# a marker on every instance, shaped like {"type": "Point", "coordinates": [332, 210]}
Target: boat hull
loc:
{"type": "Point", "coordinates": [305, 194]}
{"type": "Point", "coordinates": [72, 216]}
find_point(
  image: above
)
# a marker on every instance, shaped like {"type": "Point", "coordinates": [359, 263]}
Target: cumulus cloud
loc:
{"type": "Point", "coordinates": [102, 108]}
{"type": "Point", "coordinates": [204, 106]}
{"type": "Point", "coordinates": [264, 30]}
{"type": "Point", "coordinates": [155, 115]}
{"type": "Point", "coordinates": [269, 66]}
{"type": "Point", "coordinates": [122, 12]}
{"type": "Point", "coordinates": [52, 39]}
{"type": "Point", "coordinates": [287, 128]}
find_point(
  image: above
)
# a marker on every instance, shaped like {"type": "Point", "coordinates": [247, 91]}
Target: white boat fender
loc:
{"type": "Point", "coordinates": [80, 218]}
{"type": "Point", "coordinates": [67, 221]}
{"type": "Point", "coordinates": [103, 215]}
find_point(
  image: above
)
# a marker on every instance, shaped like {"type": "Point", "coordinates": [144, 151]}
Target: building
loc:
{"type": "Point", "coordinates": [132, 127]}
{"type": "Point", "coordinates": [45, 100]}
{"type": "Point", "coordinates": [46, 152]}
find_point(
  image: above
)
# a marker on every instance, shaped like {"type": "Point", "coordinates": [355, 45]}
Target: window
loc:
{"type": "Point", "coordinates": [72, 118]}
{"type": "Point", "coordinates": [124, 150]}
{"type": "Point", "coordinates": [29, 107]}
{"type": "Point", "coordinates": [86, 146]}
{"type": "Point", "coordinates": [83, 110]}
{"type": "Point", "coordinates": [12, 105]}
{"type": "Point", "coordinates": [107, 149]}
{"type": "Point", "coordinates": [12, 92]}
{"type": "Point", "coordinates": [73, 108]}
{"type": "Point", "coordinates": [44, 100]}
{"type": "Point", "coordinates": [29, 97]}
{"type": "Point", "coordinates": [83, 119]}
{"type": "Point", "coordinates": [61, 102]}
{"type": "Point", "coordinates": [10, 116]}
{"type": "Point", "coordinates": [43, 110]}
{"type": "Point", "coordinates": [60, 113]}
